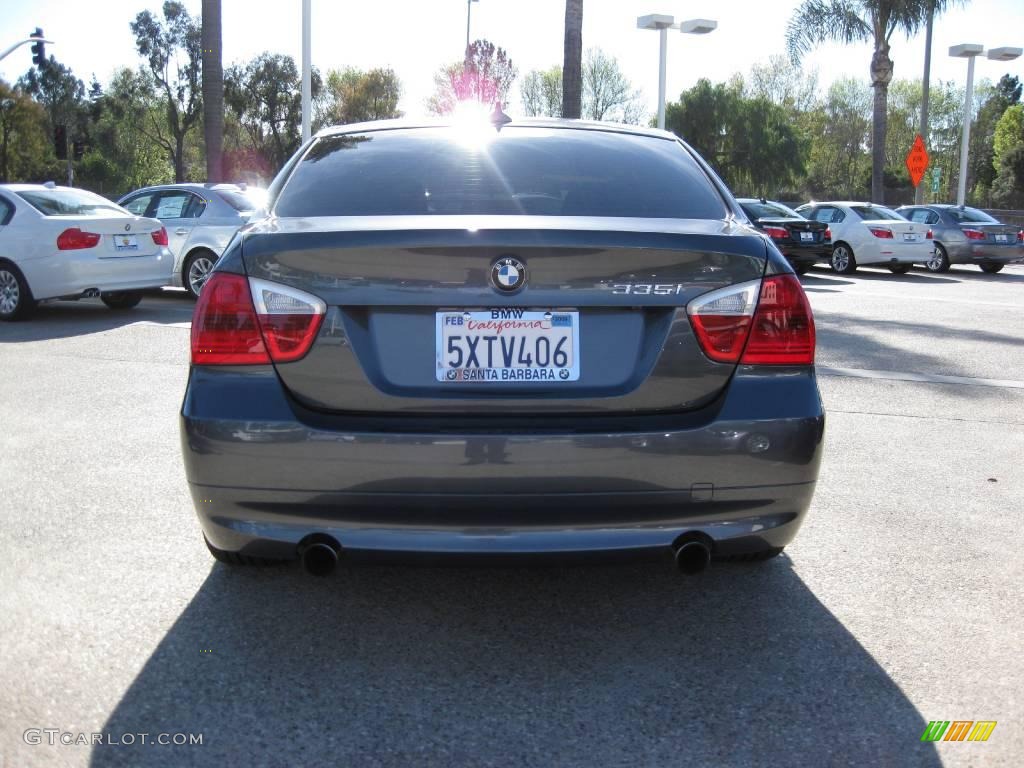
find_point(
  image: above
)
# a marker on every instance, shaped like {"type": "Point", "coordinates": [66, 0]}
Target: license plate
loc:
{"type": "Point", "coordinates": [1002, 238]}
{"type": "Point", "coordinates": [807, 237]}
{"type": "Point", "coordinates": [508, 345]}
{"type": "Point", "coordinates": [125, 243]}
{"type": "Point", "coordinates": [909, 238]}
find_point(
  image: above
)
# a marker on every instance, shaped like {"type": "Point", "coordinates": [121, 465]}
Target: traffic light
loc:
{"type": "Point", "coordinates": [38, 49]}
{"type": "Point", "coordinates": [77, 149]}
{"type": "Point", "coordinates": [60, 142]}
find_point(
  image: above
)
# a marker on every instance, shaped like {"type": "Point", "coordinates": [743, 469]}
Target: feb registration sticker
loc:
{"type": "Point", "coordinates": [508, 345]}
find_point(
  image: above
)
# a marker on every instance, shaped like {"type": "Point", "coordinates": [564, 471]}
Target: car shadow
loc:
{"type": "Point", "coordinates": [66, 319]}
{"type": "Point", "coordinates": [920, 278]}
{"type": "Point", "coordinates": [974, 274]}
{"type": "Point", "coordinates": [822, 277]}
{"type": "Point", "coordinates": [609, 665]}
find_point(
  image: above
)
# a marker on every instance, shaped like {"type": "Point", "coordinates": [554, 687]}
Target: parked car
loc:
{"type": "Point", "coordinates": [967, 236]}
{"type": "Point", "coordinates": [557, 338]}
{"type": "Point", "coordinates": [200, 220]}
{"type": "Point", "coordinates": [65, 243]}
{"type": "Point", "coordinates": [864, 234]}
{"type": "Point", "coordinates": [802, 242]}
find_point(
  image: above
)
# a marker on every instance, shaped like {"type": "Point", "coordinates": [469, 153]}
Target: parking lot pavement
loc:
{"type": "Point", "coordinates": [899, 602]}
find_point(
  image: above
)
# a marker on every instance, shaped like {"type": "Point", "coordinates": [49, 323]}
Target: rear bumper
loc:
{"type": "Point", "coordinates": [69, 273]}
{"type": "Point", "coordinates": [966, 253]}
{"type": "Point", "coordinates": [263, 476]}
{"type": "Point", "coordinates": [807, 254]}
{"type": "Point", "coordinates": [894, 252]}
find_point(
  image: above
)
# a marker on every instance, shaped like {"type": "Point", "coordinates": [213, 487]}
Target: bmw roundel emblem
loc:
{"type": "Point", "coordinates": [508, 274]}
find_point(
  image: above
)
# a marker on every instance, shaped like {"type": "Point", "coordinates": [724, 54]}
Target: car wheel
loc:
{"type": "Point", "coordinates": [802, 269]}
{"type": "Point", "coordinates": [121, 299]}
{"type": "Point", "coordinates": [939, 262]}
{"type": "Point", "coordinates": [16, 302]}
{"type": "Point", "coordinates": [899, 269]}
{"type": "Point", "coordinates": [197, 271]}
{"type": "Point", "coordinates": [237, 558]}
{"type": "Point", "coordinates": [991, 268]}
{"type": "Point", "coordinates": [843, 260]}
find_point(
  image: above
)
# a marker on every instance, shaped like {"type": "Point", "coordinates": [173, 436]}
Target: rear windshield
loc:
{"type": "Point", "coordinates": [972, 215]}
{"type": "Point", "coordinates": [240, 201]}
{"type": "Point", "coordinates": [525, 171]}
{"type": "Point", "coordinates": [69, 202]}
{"type": "Point", "coordinates": [769, 210]}
{"type": "Point", "coordinates": [874, 212]}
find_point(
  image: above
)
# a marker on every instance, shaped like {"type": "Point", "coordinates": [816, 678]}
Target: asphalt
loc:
{"type": "Point", "coordinates": [899, 603]}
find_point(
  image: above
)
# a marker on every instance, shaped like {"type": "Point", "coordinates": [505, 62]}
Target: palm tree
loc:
{"type": "Point", "coordinates": [213, 90]}
{"type": "Point", "coordinates": [572, 63]}
{"type": "Point", "coordinates": [854, 21]}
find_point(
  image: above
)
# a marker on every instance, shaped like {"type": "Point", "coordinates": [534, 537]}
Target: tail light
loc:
{"type": "Point", "coordinates": [252, 322]}
{"type": "Point", "coordinates": [974, 234]}
{"type": "Point", "coordinates": [160, 237]}
{"type": "Point", "coordinates": [75, 239]}
{"type": "Point", "coordinates": [289, 319]}
{"type": "Point", "coordinates": [721, 320]}
{"type": "Point", "coordinates": [776, 233]}
{"type": "Point", "coordinates": [756, 323]}
{"type": "Point", "coordinates": [881, 232]}
{"type": "Point", "coordinates": [1020, 236]}
{"type": "Point", "coordinates": [929, 235]}
{"type": "Point", "coordinates": [828, 233]}
{"type": "Point", "coordinates": [783, 329]}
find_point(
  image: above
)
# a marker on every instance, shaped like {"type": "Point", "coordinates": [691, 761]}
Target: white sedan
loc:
{"type": "Point", "coordinates": [65, 243]}
{"type": "Point", "coordinates": [864, 234]}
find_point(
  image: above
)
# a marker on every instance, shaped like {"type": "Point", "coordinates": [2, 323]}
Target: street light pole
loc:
{"type": "Point", "coordinates": [663, 24]}
{"type": "Point", "coordinates": [965, 139]}
{"type": "Point", "coordinates": [970, 51]}
{"type": "Point", "coordinates": [469, 9]}
{"type": "Point", "coordinates": [307, 75]}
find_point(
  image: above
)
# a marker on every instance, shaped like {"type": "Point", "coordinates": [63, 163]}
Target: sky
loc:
{"type": "Point", "coordinates": [416, 37]}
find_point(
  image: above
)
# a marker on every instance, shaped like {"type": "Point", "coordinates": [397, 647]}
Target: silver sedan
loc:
{"type": "Point", "coordinates": [200, 220]}
{"type": "Point", "coordinates": [967, 236]}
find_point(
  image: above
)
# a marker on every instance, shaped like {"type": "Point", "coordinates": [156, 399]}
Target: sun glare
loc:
{"type": "Point", "coordinates": [471, 122]}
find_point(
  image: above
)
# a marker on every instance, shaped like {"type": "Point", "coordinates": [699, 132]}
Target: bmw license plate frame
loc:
{"type": "Point", "coordinates": [525, 346]}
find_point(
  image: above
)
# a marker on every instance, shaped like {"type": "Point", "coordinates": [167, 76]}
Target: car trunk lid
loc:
{"type": "Point", "coordinates": [390, 281]}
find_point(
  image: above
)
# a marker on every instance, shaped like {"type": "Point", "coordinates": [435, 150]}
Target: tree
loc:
{"type": "Point", "coordinates": [265, 98]}
{"type": "Point", "coordinates": [752, 143]}
{"type": "Point", "coordinates": [541, 93]}
{"type": "Point", "coordinates": [607, 92]}
{"type": "Point", "coordinates": [213, 89]}
{"type": "Point", "coordinates": [840, 131]}
{"type": "Point", "coordinates": [173, 50]}
{"type": "Point", "coordinates": [129, 141]}
{"type": "Point", "coordinates": [26, 147]}
{"type": "Point", "coordinates": [781, 82]}
{"type": "Point", "coordinates": [484, 76]}
{"type": "Point", "coordinates": [572, 60]}
{"type": "Point", "coordinates": [355, 96]}
{"type": "Point", "coordinates": [983, 166]}
{"type": "Point", "coordinates": [1009, 133]}
{"type": "Point", "coordinates": [1008, 188]}
{"type": "Point", "coordinates": [60, 92]}
{"type": "Point", "coordinates": [874, 21]}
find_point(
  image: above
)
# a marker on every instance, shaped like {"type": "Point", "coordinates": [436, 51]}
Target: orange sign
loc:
{"type": "Point", "coordinates": [917, 160]}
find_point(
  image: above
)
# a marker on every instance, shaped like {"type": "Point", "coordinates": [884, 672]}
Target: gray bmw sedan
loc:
{"type": "Point", "coordinates": [500, 338]}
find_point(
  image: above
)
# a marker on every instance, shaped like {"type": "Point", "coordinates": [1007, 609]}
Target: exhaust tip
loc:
{"type": "Point", "coordinates": [692, 557]}
{"type": "Point", "coordinates": [319, 559]}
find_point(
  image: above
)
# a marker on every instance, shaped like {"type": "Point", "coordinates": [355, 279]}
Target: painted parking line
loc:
{"type": "Point", "coordinates": [927, 378]}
